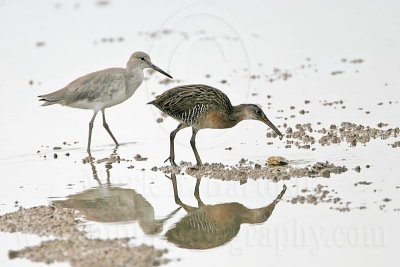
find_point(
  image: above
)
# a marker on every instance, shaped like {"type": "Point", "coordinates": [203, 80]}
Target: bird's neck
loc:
{"type": "Point", "coordinates": [238, 114]}
{"type": "Point", "coordinates": [135, 77]}
{"type": "Point", "coordinates": [257, 215]}
{"type": "Point", "coordinates": [261, 214]}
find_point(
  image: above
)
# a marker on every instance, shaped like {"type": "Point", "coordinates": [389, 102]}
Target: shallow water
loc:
{"type": "Point", "coordinates": [139, 203]}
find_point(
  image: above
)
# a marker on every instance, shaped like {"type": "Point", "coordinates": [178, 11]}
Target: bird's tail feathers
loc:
{"type": "Point", "coordinates": [47, 102]}
{"type": "Point", "coordinates": [52, 98]}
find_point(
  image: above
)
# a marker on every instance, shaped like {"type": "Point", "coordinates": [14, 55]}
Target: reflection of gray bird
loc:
{"type": "Point", "coordinates": [201, 106]}
{"type": "Point", "coordinates": [210, 226]}
{"type": "Point", "coordinates": [103, 89]}
{"type": "Point", "coordinates": [114, 204]}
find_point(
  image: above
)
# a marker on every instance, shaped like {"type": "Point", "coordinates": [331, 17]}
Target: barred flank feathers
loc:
{"type": "Point", "coordinates": [188, 103]}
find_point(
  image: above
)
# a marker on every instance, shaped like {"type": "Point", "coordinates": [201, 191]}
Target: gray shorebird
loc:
{"type": "Point", "coordinates": [103, 89]}
{"type": "Point", "coordinates": [201, 106]}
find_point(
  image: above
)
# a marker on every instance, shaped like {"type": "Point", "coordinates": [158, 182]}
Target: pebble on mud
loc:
{"type": "Point", "coordinates": [356, 61]}
{"type": "Point", "coordinates": [337, 72]}
{"type": "Point", "coordinates": [395, 144]}
{"type": "Point", "coordinates": [139, 157]}
{"type": "Point", "coordinates": [362, 183]}
{"type": "Point", "coordinates": [40, 44]}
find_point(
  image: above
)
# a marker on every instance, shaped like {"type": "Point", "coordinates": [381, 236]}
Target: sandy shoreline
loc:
{"type": "Point", "coordinates": [70, 244]}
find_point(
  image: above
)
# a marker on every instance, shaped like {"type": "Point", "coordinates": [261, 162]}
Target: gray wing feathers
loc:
{"type": "Point", "coordinates": [96, 86]}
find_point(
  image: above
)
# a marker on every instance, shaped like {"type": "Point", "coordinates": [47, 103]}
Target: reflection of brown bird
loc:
{"type": "Point", "coordinates": [210, 226]}
{"type": "Point", "coordinates": [114, 204]}
{"type": "Point", "coordinates": [201, 106]}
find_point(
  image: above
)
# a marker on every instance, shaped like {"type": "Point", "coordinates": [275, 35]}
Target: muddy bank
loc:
{"type": "Point", "coordinates": [70, 244]}
{"type": "Point", "coordinates": [305, 135]}
{"type": "Point", "coordinates": [248, 170]}
{"type": "Point", "coordinates": [321, 194]}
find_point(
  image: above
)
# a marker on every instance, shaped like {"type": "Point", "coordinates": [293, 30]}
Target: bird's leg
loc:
{"type": "Point", "coordinates": [94, 171]}
{"type": "Point", "coordinates": [193, 144]}
{"type": "Point", "coordinates": [175, 188]}
{"type": "Point", "coordinates": [90, 131]}
{"type": "Point", "coordinates": [197, 193]}
{"type": "Point", "coordinates": [105, 125]}
{"type": "Point", "coordinates": [178, 201]}
{"type": "Point", "coordinates": [171, 143]}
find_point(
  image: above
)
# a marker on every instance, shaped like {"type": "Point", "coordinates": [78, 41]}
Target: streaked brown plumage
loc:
{"type": "Point", "coordinates": [201, 106]}
{"type": "Point", "coordinates": [210, 226]}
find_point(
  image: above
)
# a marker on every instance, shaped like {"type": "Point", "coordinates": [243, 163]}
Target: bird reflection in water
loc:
{"type": "Point", "coordinates": [111, 204]}
{"type": "Point", "coordinates": [210, 226]}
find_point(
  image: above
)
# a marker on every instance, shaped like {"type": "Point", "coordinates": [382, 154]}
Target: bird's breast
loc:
{"type": "Point", "coordinates": [215, 120]}
{"type": "Point", "coordinates": [133, 81]}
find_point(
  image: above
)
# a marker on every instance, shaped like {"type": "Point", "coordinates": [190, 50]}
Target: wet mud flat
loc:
{"type": "Point", "coordinates": [249, 170]}
{"type": "Point", "coordinates": [245, 170]}
{"type": "Point", "coordinates": [69, 244]}
{"type": "Point", "coordinates": [311, 137]}
{"type": "Point", "coordinates": [307, 135]}
{"type": "Point", "coordinates": [279, 169]}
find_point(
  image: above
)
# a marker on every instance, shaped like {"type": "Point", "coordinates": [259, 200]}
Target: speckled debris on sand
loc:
{"type": "Point", "coordinates": [321, 194]}
{"type": "Point", "coordinates": [245, 169]}
{"type": "Point", "coordinates": [69, 244]}
{"type": "Point", "coordinates": [304, 135]}
{"type": "Point", "coordinates": [139, 157]}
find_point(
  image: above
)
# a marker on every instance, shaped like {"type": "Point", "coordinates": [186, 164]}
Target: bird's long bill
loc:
{"type": "Point", "coordinates": [273, 127]}
{"type": "Point", "coordinates": [154, 67]}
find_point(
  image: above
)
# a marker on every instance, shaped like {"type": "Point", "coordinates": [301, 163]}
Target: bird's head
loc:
{"type": "Point", "coordinates": [254, 112]}
{"type": "Point", "coordinates": [143, 61]}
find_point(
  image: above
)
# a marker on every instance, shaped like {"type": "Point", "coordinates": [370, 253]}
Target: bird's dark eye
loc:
{"type": "Point", "coordinates": [142, 58]}
{"type": "Point", "coordinates": [258, 112]}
